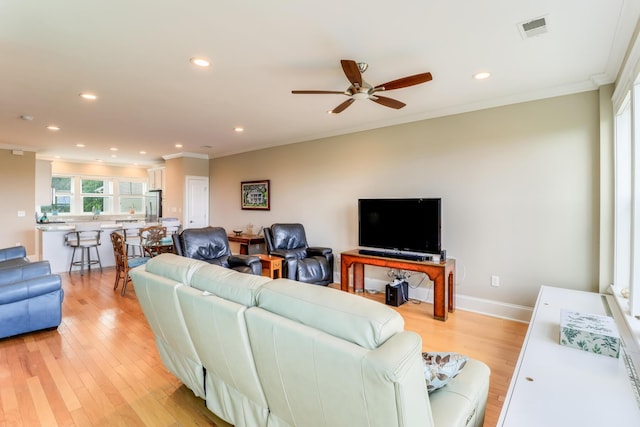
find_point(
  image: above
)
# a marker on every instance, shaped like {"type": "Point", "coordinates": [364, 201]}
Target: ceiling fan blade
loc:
{"type": "Point", "coordinates": [405, 81]}
{"type": "Point", "coordinates": [352, 72]}
{"type": "Point", "coordinates": [340, 108]}
{"type": "Point", "coordinates": [314, 92]}
{"type": "Point", "coordinates": [388, 102]}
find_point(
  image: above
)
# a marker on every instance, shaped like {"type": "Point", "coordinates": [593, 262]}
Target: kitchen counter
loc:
{"type": "Point", "coordinates": [50, 244]}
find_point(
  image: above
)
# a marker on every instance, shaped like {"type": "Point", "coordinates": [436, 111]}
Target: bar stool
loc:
{"type": "Point", "coordinates": [84, 241]}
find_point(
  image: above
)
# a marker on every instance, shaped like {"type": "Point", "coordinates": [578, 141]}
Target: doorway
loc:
{"type": "Point", "coordinates": [196, 202]}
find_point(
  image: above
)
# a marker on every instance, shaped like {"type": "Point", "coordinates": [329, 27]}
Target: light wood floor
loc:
{"type": "Point", "coordinates": [101, 367]}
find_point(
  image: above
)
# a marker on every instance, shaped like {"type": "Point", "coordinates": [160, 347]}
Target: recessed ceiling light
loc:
{"type": "Point", "coordinates": [26, 117]}
{"type": "Point", "coordinates": [53, 127]}
{"type": "Point", "coordinates": [238, 129]}
{"type": "Point", "coordinates": [113, 156]}
{"type": "Point", "coordinates": [113, 149]}
{"type": "Point", "coordinates": [80, 145]}
{"type": "Point", "coordinates": [178, 145]}
{"type": "Point", "coordinates": [88, 96]}
{"type": "Point", "coordinates": [200, 62]}
{"type": "Point", "coordinates": [482, 75]}
{"type": "Point", "coordinates": [143, 152]}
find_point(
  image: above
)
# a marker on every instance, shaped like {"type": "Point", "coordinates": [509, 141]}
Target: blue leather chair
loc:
{"type": "Point", "coordinates": [13, 256]}
{"type": "Point", "coordinates": [30, 296]}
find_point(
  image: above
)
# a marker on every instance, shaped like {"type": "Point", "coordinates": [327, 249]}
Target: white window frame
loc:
{"type": "Point", "coordinates": [77, 197]}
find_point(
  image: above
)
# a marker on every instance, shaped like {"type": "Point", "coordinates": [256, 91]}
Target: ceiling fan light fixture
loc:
{"type": "Point", "coordinates": [360, 95]}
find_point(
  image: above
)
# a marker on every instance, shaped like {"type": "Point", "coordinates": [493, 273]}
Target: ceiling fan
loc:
{"type": "Point", "coordinates": [360, 89]}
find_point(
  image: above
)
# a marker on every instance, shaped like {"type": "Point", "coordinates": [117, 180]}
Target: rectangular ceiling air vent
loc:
{"type": "Point", "coordinates": [533, 28]}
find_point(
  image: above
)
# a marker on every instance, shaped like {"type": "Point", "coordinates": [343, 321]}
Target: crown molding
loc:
{"type": "Point", "coordinates": [186, 154]}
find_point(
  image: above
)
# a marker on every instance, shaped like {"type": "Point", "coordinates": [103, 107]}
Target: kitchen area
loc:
{"type": "Point", "coordinates": [51, 244]}
{"type": "Point", "coordinates": [131, 211]}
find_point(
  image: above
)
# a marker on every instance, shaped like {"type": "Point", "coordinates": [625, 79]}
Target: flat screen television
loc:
{"type": "Point", "coordinates": [410, 225]}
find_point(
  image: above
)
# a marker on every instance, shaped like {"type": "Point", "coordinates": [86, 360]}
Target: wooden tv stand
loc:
{"type": "Point", "coordinates": [442, 274]}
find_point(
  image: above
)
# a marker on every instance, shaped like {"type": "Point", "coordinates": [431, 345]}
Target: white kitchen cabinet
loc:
{"type": "Point", "coordinates": [156, 178]}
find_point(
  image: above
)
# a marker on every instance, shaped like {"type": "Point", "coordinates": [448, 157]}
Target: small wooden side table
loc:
{"type": "Point", "coordinates": [245, 241]}
{"type": "Point", "coordinates": [271, 265]}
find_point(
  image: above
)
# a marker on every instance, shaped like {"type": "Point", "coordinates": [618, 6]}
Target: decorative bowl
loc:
{"type": "Point", "coordinates": [237, 232]}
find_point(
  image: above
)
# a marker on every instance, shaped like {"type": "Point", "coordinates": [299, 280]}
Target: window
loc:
{"type": "Point", "coordinates": [62, 189]}
{"type": "Point", "coordinates": [96, 195]}
{"type": "Point", "coordinates": [131, 197]}
{"type": "Point", "coordinates": [626, 257]}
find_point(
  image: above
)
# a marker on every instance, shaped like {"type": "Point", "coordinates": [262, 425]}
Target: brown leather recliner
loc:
{"type": "Point", "coordinates": [304, 263]}
{"type": "Point", "coordinates": [211, 244]}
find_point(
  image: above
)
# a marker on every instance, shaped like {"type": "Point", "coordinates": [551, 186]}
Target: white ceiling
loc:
{"type": "Point", "coordinates": [134, 54]}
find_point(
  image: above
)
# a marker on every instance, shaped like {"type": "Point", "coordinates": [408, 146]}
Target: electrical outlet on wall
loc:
{"type": "Point", "coordinates": [495, 281]}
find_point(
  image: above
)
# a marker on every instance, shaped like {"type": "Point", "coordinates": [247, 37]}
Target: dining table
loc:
{"type": "Point", "coordinates": [150, 248]}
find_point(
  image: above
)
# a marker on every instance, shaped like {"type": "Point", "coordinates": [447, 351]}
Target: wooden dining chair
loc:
{"type": "Point", "coordinates": [154, 240]}
{"type": "Point", "coordinates": [123, 262]}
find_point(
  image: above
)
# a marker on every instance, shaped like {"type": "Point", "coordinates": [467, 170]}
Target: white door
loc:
{"type": "Point", "coordinates": [197, 202]}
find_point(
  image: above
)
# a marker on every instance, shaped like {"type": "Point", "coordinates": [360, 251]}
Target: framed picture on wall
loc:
{"type": "Point", "coordinates": [255, 195]}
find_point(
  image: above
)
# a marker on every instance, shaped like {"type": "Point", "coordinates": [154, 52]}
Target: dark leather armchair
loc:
{"type": "Point", "coordinates": [211, 244]}
{"type": "Point", "coordinates": [309, 264]}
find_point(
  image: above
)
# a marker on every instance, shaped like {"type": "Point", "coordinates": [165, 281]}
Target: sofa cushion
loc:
{"type": "Point", "coordinates": [24, 272]}
{"type": "Point", "coordinates": [29, 288]}
{"type": "Point", "coordinates": [219, 333]}
{"type": "Point", "coordinates": [229, 284]}
{"type": "Point", "coordinates": [350, 317]}
{"type": "Point", "coordinates": [13, 252]}
{"type": "Point", "coordinates": [14, 262]}
{"type": "Point", "coordinates": [158, 298]}
{"type": "Point", "coordinates": [174, 267]}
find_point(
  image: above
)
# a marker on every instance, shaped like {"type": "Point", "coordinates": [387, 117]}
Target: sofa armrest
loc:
{"type": "Point", "coordinates": [237, 260]}
{"type": "Point", "coordinates": [12, 253]}
{"type": "Point", "coordinates": [25, 271]}
{"type": "Point", "coordinates": [282, 253]}
{"type": "Point", "coordinates": [250, 261]}
{"type": "Point", "coordinates": [318, 250]}
{"type": "Point", "coordinates": [30, 288]}
{"type": "Point", "coordinates": [463, 401]}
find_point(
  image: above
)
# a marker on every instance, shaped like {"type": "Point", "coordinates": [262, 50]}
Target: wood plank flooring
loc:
{"type": "Point", "coordinates": [101, 366]}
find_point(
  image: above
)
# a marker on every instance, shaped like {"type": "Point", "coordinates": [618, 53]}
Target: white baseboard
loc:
{"type": "Point", "coordinates": [492, 308]}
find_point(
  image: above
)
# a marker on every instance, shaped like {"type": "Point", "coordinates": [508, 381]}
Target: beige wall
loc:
{"type": "Point", "coordinates": [176, 170]}
{"type": "Point", "coordinates": [96, 169]}
{"type": "Point", "coordinates": [519, 186]}
{"type": "Point", "coordinates": [18, 177]}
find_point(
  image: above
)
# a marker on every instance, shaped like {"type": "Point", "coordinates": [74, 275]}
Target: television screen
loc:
{"type": "Point", "coordinates": [411, 225]}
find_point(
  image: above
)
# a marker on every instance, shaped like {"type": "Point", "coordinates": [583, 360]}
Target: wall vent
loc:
{"type": "Point", "coordinates": [533, 28]}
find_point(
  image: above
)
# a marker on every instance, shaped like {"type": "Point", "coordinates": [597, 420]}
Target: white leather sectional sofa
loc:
{"type": "Point", "coordinates": [278, 353]}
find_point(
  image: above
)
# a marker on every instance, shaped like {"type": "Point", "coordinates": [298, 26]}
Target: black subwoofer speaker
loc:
{"type": "Point", "coordinates": [396, 295]}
